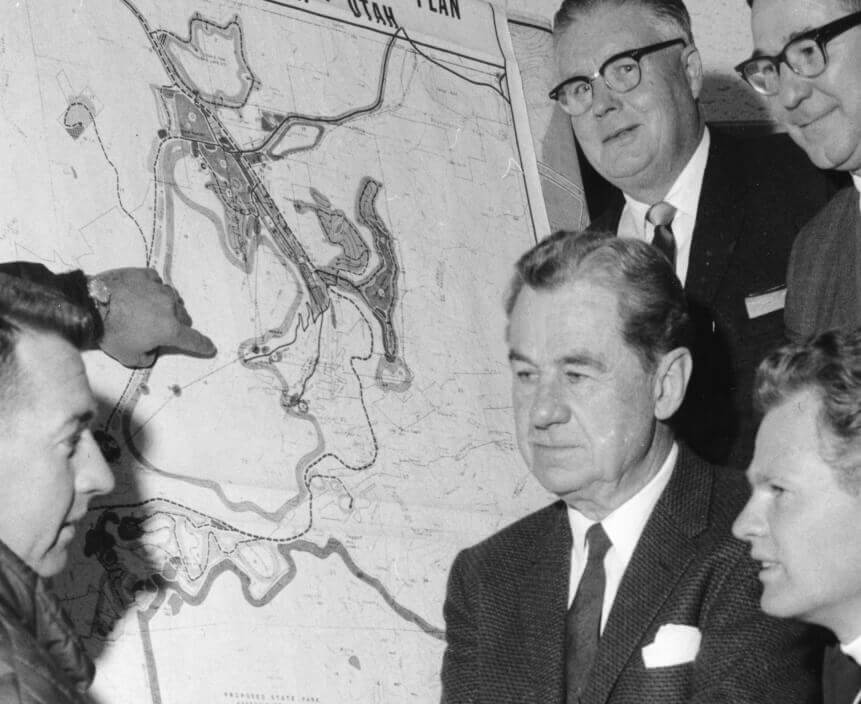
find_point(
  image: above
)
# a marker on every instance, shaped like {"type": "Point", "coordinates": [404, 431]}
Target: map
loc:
{"type": "Point", "coordinates": [339, 191]}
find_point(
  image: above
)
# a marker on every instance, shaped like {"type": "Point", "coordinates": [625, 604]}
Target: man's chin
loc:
{"type": "Point", "coordinates": [828, 154]}
{"type": "Point", "coordinates": [779, 606]}
{"type": "Point", "coordinates": [53, 562]}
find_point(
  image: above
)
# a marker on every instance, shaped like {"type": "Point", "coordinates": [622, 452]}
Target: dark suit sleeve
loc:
{"type": "Point", "coordinates": [747, 657]}
{"type": "Point", "coordinates": [73, 284]}
{"type": "Point", "coordinates": [460, 663]}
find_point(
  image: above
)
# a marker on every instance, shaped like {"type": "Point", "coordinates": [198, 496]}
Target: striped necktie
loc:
{"type": "Point", "coordinates": [661, 216]}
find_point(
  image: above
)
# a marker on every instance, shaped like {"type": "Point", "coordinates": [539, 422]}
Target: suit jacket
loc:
{"type": "Point", "coordinates": [824, 278]}
{"type": "Point", "coordinates": [841, 677]}
{"type": "Point", "coordinates": [755, 197]}
{"type": "Point", "coordinates": [507, 599]}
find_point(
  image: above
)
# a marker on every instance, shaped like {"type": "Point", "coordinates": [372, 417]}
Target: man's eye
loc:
{"type": "Point", "coordinates": [573, 375]}
{"type": "Point", "coordinates": [524, 374]}
{"type": "Point", "coordinates": [580, 90]}
{"type": "Point", "coordinates": [776, 489]}
{"type": "Point", "coordinates": [72, 443]}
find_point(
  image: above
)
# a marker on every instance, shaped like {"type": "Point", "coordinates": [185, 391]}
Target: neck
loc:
{"type": "Point", "coordinates": [654, 190]}
{"type": "Point", "coordinates": [600, 499]}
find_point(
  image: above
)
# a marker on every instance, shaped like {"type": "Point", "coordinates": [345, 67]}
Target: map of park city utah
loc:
{"type": "Point", "coordinates": [339, 191]}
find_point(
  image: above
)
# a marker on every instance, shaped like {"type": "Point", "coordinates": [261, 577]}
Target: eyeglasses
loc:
{"type": "Point", "coordinates": [621, 72]}
{"type": "Point", "coordinates": [805, 55]}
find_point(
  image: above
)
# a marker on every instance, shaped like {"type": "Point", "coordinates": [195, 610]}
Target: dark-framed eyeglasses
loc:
{"type": "Point", "coordinates": [805, 55]}
{"type": "Point", "coordinates": [621, 72]}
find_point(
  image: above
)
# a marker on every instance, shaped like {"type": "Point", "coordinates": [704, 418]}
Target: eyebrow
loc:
{"type": "Point", "coordinates": [576, 358]}
{"type": "Point", "coordinates": [79, 420]}
{"type": "Point", "coordinates": [758, 53]}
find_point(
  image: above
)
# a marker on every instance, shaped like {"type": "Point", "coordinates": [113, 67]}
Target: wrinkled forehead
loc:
{"type": "Point", "coordinates": [774, 23]}
{"type": "Point", "coordinates": [597, 34]}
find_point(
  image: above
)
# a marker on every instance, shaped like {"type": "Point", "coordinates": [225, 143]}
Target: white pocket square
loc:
{"type": "Point", "coordinates": [674, 644]}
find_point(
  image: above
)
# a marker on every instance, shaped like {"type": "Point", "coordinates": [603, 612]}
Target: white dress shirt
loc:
{"type": "Point", "coordinates": [624, 527]}
{"type": "Point", "coordinates": [853, 649]}
{"type": "Point", "coordinates": [684, 196]}
{"type": "Point", "coordinates": [856, 179]}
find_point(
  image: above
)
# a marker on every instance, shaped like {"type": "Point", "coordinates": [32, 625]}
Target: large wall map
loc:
{"type": "Point", "coordinates": [339, 190]}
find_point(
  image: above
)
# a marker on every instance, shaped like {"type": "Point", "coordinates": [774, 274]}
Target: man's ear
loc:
{"type": "Point", "coordinates": [671, 379]}
{"type": "Point", "coordinates": [693, 64]}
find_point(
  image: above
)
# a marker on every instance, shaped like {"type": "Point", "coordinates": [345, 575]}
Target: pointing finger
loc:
{"type": "Point", "coordinates": [190, 341]}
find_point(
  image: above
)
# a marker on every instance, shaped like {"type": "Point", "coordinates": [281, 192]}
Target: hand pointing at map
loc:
{"type": "Point", "coordinates": [141, 315]}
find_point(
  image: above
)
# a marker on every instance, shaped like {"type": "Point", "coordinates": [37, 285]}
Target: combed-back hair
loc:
{"type": "Point", "coordinates": [829, 366]}
{"type": "Point", "coordinates": [652, 307]}
{"type": "Point", "coordinates": [26, 304]}
{"type": "Point", "coordinates": [671, 12]}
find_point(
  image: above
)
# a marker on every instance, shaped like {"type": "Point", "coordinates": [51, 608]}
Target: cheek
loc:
{"type": "Point", "coordinates": [586, 131]}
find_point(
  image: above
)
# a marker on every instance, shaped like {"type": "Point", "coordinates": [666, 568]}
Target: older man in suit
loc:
{"type": "Point", "coordinates": [727, 211]}
{"type": "Point", "coordinates": [631, 588]}
{"type": "Point", "coordinates": [802, 519]}
{"type": "Point", "coordinates": [807, 61]}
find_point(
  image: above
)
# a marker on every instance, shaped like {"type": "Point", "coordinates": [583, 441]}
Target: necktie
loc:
{"type": "Point", "coordinates": [583, 622]}
{"type": "Point", "coordinates": [661, 216]}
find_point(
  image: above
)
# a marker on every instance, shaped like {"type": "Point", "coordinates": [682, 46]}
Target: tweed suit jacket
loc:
{"type": "Point", "coordinates": [755, 196]}
{"type": "Point", "coordinates": [507, 599]}
{"type": "Point", "coordinates": [824, 278]}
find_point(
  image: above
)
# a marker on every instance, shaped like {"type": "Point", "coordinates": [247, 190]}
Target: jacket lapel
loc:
{"type": "Point", "coordinates": [543, 603]}
{"type": "Point", "coordinates": [718, 224]}
{"type": "Point", "coordinates": [664, 551]}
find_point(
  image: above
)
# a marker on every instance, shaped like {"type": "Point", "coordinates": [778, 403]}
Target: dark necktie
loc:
{"type": "Point", "coordinates": [583, 622]}
{"type": "Point", "coordinates": [661, 216]}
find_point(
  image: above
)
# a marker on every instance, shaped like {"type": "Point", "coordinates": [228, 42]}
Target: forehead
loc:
{"type": "Point", "coordinates": [580, 315]}
{"type": "Point", "coordinates": [788, 443]}
{"type": "Point", "coordinates": [776, 22]}
{"type": "Point", "coordinates": [608, 29]}
{"type": "Point", "coordinates": [52, 380]}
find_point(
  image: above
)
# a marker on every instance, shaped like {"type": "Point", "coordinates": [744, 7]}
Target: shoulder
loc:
{"type": "Point", "coordinates": [844, 204]}
{"type": "Point", "coordinates": [769, 164]}
{"type": "Point", "coordinates": [714, 495]}
{"type": "Point", "coordinates": [823, 232]}
{"type": "Point", "coordinates": [28, 675]}
{"type": "Point", "coordinates": [512, 547]}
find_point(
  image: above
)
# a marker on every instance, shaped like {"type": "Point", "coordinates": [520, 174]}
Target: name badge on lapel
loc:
{"type": "Point", "coordinates": [759, 304]}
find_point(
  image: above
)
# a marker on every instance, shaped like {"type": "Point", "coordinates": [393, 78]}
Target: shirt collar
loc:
{"type": "Point", "coordinates": [853, 649]}
{"type": "Point", "coordinates": [684, 194]}
{"type": "Point", "coordinates": [625, 525]}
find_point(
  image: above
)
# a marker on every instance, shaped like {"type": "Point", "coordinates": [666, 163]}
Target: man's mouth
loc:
{"type": "Point", "coordinates": [767, 567]}
{"type": "Point", "coordinates": [620, 133]}
{"type": "Point", "coordinates": [806, 123]}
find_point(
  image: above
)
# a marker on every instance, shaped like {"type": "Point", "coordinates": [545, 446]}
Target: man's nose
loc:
{"type": "Point", "coordinates": [93, 475]}
{"type": "Point", "coordinates": [749, 523]}
{"type": "Point", "coordinates": [794, 89]}
{"type": "Point", "coordinates": [549, 407]}
{"type": "Point", "coordinates": [604, 99]}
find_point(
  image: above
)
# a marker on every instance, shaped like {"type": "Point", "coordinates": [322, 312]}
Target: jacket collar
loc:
{"type": "Point", "coordinates": [24, 597]}
{"type": "Point", "coordinates": [665, 549]}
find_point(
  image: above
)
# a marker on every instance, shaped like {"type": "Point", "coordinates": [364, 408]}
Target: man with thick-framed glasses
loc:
{"type": "Point", "coordinates": [725, 212]}
{"type": "Point", "coordinates": [807, 62]}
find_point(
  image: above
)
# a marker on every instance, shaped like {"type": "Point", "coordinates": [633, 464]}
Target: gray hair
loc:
{"type": "Point", "coordinates": [652, 304]}
{"type": "Point", "coordinates": [671, 12]}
